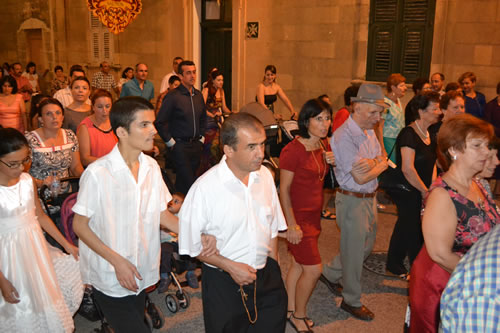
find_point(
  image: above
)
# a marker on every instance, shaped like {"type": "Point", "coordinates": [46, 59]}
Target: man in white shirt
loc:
{"type": "Point", "coordinates": [164, 81]}
{"type": "Point", "coordinates": [236, 201]}
{"type": "Point", "coordinates": [64, 95]}
{"type": "Point", "coordinates": [121, 204]}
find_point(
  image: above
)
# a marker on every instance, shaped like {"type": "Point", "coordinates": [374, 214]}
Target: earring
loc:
{"type": "Point", "coordinates": [454, 157]}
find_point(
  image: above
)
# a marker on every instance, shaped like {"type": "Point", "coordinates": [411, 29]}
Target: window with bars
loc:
{"type": "Point", "coordinates": [400, 38]}
{"type": "Point", "coordinates": [101, 41]}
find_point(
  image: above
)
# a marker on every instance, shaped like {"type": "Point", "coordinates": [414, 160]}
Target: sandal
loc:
{"type": "Point", "coordinates": [310, 322]}
{"type": "Point", "coordinates": [309, 330]}
{"type": "Point", "coordinates": [326, 214]}
{"type": "Point", "coordinates": [402, 276]}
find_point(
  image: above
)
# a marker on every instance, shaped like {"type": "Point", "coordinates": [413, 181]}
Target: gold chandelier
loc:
{"type": "Point", "coordinates": [115, 14]}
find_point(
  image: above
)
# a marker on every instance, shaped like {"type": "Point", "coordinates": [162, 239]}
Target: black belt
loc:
{"type": "Point", "coordinates": [190, 140]}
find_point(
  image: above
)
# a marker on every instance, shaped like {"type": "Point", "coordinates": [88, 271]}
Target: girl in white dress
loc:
{"type": "Point", "coordinates": [41, 287]}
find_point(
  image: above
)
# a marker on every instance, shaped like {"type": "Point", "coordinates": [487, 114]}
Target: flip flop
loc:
{"type": "Point", "coordinates": [326, 214]}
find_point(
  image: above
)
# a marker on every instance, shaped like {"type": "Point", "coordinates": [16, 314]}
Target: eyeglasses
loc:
{"type": "Point", "coordinates": [15, 165]}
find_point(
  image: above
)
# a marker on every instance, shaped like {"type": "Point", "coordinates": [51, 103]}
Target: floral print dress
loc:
{"type": "Point", "coordinates": [428, 279]}
{"type": "Point", "coordinates": [47, 160]}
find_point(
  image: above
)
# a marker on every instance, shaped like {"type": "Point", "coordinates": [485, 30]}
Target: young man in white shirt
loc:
{"type": "Point", "coordinates": [236, 201]}
{"type": "Point", "coordinates": [121, 204]}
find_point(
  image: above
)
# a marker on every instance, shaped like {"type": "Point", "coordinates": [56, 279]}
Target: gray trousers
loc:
{"type": "Point", "coordinates": [357, 220]}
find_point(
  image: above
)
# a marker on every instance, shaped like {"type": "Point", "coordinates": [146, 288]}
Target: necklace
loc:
{"type": "Point", "coordinates": [319, 167]}
{"type": "Point", "coordinates": [244, 297]}
{"type": "Point", "coordinates": [422, 132]}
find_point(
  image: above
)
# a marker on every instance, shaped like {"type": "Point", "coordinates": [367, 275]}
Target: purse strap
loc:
{"type": "Point", "coordinates": [390, 154]}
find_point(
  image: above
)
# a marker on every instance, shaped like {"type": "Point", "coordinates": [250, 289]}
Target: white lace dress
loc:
{"type": "Point", "coordinates": [48, 281]}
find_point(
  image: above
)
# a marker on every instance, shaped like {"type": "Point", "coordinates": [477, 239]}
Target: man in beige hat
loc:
{"type": "Point", "coordinates": [359, 161]}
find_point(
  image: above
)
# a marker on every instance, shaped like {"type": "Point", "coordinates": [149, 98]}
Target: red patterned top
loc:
{"type": "Point", "coordinates": [474, 219]}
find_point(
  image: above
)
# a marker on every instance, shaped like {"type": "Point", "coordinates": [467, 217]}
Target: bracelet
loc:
{"type": "Point", "coordinates": [295, 227]}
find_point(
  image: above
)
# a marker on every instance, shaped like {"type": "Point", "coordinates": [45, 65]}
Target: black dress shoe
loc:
{"type": "Point", "coordinates": [360, 312]}
{"type": "Point", "coordinates": [335, 288]}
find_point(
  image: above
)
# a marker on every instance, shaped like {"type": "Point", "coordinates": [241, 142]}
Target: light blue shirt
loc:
{"type": "Point", "coordinates": [394, 118]}
{"type": "Point", "coordinates": [350, 144]}
{"type": "Point", "coordinates": [132, 88]}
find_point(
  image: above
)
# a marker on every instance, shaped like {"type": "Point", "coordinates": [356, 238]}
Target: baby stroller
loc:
{"type": "Point", "coordinates": [266, 117]}
{"type": "Point", "coordinates": [178, 298]}
{"type": "Point", "coordinates": [53, 204]}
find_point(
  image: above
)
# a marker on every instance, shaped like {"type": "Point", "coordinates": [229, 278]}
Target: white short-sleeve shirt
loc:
{"type": "Point", "coordinates": [243, 218]}
{"type": "Point", "coordinates": [125, 215]}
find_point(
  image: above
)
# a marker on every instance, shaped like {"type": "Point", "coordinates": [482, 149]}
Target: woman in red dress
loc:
{"type": "Point", "coordinates": [304, 165]}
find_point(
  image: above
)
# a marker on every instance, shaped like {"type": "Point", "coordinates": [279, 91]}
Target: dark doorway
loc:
{"type": "Point", "coordinates": [216, 41]}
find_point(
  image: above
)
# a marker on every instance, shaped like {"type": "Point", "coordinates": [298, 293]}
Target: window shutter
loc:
{"type": "Point", "coordinates": [95, 46]}
{"type": "Point", "coordinates": [107, 45]}
{"type": "Point", "coordinates": [101, 41]}
{"type": "Point", "coordinates": [400, 38]}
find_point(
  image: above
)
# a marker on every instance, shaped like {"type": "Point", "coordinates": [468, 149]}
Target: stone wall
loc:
{"type": "Point", "coordinates": [467, 38]}
{"type": "Point", "coordinates": [317, 46]}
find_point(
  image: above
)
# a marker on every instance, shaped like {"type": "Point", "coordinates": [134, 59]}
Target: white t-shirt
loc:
{"type": "Point", "coordinates": [125, 215]}
{"type": "Point", "coordinates": [164, 81]}
{"type": "Point", "coordinates": [243, 218]}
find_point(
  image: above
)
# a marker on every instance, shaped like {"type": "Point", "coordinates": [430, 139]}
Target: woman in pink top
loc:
{"type": "Point", "coordinates": [94, 133]}
{"type": "Point", "coordinates": [12, 109]}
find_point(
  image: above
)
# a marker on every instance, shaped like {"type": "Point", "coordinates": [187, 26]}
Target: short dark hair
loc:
{"type": "Point", "coordinates": [177, 58]}
{"type": "Point", "coordinates": [180, 195]}
{"type": "Point", "coordinates": [421, 102]}
{"type": "Point", "coordinates": [418, 84]}
{"type": "Point", "coordinates": [11, 140]}
{"type": "Point", "coordinates": [30, 64]}
{"type": "Point", "coordinates": [58, 67]}
{"type": "Point", "coordinates": [12, 82]}
{"type": "Point", "coordinates": [311, 109]}
{"type": "Point", "coordinates": [448, 97]}
{"type": "Point", "coordinates": [495, 143]}
{"type": "Point", "coordinates": [351, 91]}
{"type": "Point", "coordinates": [15, 63]}
{"type": "Point", "coordinates": [173, 78]}
{"type": "Point", "coordinates": [231, 126]}
{"type": "Point", "coordinates": [35, 104]}
{"type": "Point", "coordinates": [79, 78]}
{"type": "Point", "coordinates": [180, 70]}
{"type": "Point", "coordinates": [100, 93]}
{"type": "Point", "coordinates": [140, 63]}
{"type": "Point", "coordinates": [76, 68]}
{"type": "Point", "coordinates": [124, 73]}
{"type": "Point", "coordinates": [49, 101]}
{"type": "Point", "coordinates": [452, 86]}
{"type": "Point", "coordinates": [441, 75]}
{"type": "Point", "coordinates": [123, 111]}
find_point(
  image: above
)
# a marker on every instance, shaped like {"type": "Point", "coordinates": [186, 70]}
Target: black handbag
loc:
{"type": "Point", "coordinates": [392, 179]}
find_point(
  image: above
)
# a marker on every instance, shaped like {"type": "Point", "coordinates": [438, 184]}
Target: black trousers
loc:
{"type": "Point", "coordinates": [407, 238]}
{"type": "Point", "coordinates": [186, 156]}
{"type": "Point", "coordinates": [167, 250]}
{"type": "Point", "coordinates": [124, 314]}
{"type": "Point", "coordinates": [223, 309]}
